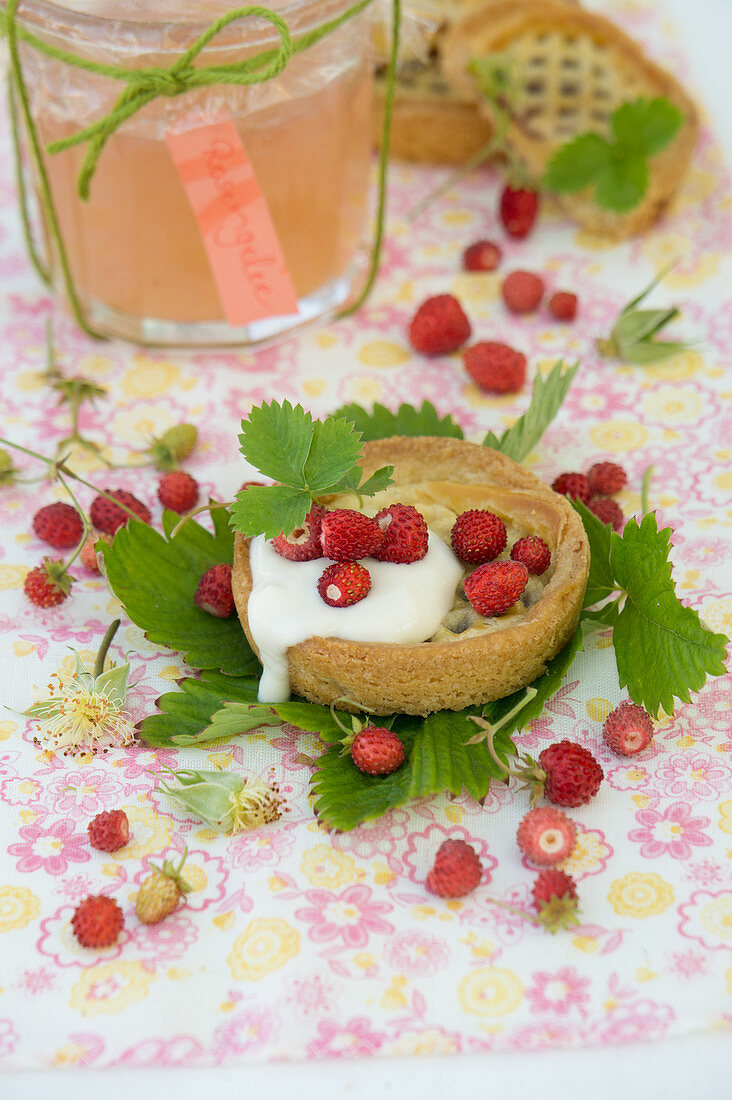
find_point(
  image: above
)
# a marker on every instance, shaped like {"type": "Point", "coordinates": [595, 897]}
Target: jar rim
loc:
{"type": "Point", "coordinates": [53, 19]}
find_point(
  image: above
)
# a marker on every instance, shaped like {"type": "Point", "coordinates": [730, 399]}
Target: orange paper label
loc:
{"type": "Point", "coordinates": [241, 242]}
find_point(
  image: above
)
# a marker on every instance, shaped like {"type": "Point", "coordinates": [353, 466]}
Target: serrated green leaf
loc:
{"type": "Point", "coordinates": [646, 125]}
{"type": "Point", "coordinates": [184, 713]}
{"type": "Point", "coordinates": [379, 480]}
{"type": "Point", "coordinates": [547, 395]}
{"type": "Point", "coordinates": [232, 719]}
{"type": "Point", "coordinates": [334, 452]}
{"type": "Point", "coordinates": [156, 580]}
{"type": "Point", "coordinates": [601, 583]}
{"type": "Point", "coordinates": [380, 423]}
{"type": "Point", "coordinates": [544, 686]}
{"type": "Point", "coordinates": [269, 510]}
{"type": "Point", "coordinates": [346, 797]}
{"type": "Point", "coordinates": [577, 164]}
{"type": "Point", "coordinates": [622, 183]}
{"type": "Point", "coordinates": [662, 649]}
{"type": "Point", "coordinates": [313, 718]}
{"type": "Point", "coordinates": [603, 616]}
{"type": "Point", "coordinates": [276, 439]}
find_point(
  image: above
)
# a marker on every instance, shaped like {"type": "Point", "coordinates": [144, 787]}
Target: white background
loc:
{"type": "Point", "coordinates": [698, 1066]}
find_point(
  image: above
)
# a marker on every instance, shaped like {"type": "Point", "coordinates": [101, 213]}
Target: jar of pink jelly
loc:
{"type": "Point", "coordinates": [226, 215]}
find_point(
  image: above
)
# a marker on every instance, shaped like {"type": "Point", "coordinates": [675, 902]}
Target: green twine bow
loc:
{"type": "Point", "coordinates": [145, 85]}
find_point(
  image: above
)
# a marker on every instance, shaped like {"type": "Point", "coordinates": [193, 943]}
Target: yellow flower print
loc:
{"type": "Point", "coordinates": [327, 867]}
{"type": "Point", "coordinates": [717, 615]}
{"type": "Point", "coordinates": [598, 709]}
{"type": "Point", "coordinates": [382, 353]}
{"type": "Point", "coordinates": [430, 1041]}
{"type": "Point", "coordinates": [619, 436]}
{"type": "Point", "coordinates": [7, 729]}
{"type": "Point", "coordinates": [694, 267]}
{"type": "Point", "coordinates": [725, 813]}
{"type": "Point", "coordinates": [367, 390]}
{"type": "Point", "coordinates": [148, 378]}
{"type": "Point", "coordinates": [108, 988]}
{"type": "Point", "coordinates": [18, 907]}
{"type": "Point", "coordinates": [589, 854]}
{"type": "Point", "coordinates": [264, 946]}
{"type": "Point", "coordinates": [640, 895]}
{"type": "Point", "coordinates": [12, 576]}
{"type": "Point", "coordinates": [672, 405]}
{"type": "Point", "coordinates": [716, 917]}
{"type": "Point", "coordinates": [490, 991]}
{"type": "Point", "coordinates": [476, 289]}
{"type": "Point", "coordinates": [677, 369]}
{"type": "Point", "coordinates": [148, 833]}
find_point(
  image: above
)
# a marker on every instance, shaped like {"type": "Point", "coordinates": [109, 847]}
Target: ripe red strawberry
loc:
{"type": "Point", "coordinates": [606, 478]}
{"type": "Point", "coordinates": [303, 544]}
{"type": "Point", "coordinates": [58, 524]}
{"type": "Point", "coordinates": [572, 776]}
{"type": "Point", "coordinates": [495, 587]}
{"type": "Point", "coordinates": [344, 583]}
{"type": "Point", "coordinates": [109, 830]}
{"type": "Point", "coordinates": [546, 835]}
{"type": "Point", "coordinates": [518, 209]}
{"type": "Point", "coordinates": [573, 485]}
{"type": "Point", "coordinates": [478, 536]}
{"type": "Point", "coordinates": [346, 535]}
{"type": "Point", "coordinates": [406, 537]}
{"type": "Point", "coordinates": [161, 891]}
{"type": "Point", "coordinates": [563, 305]}
{"type": "Point", "coordinates": [48, 584]}
{"type": "Point", "coordinates": [522, 291]}
{"type": "Point", "coordinates": [457, 870]}
{"type": "Point", "coordinates": [97, 921]}
{"type": "Point", "coordinates": [439, 326]}
{"type": "Point", "coordinates": [482, 256]}
{"type": "Point", "coordinates": [178, 491]}
{"type": "Point", "coordinates": [495, 367]}
{"type": "Point", "coordinates": [377, 751]}
{"type": "Point", "coordinates": [608, 511]}
{"type": "Point", "coordinates": [214, 593]}
{"type": "Point", "coordinates": [533, 552]}
{"type": "Point", "coordinates": [628, 729]}
{"type": "Point", "coordinates": [554, 895]}
{"type": "Point", "coordinates": [108, 516]}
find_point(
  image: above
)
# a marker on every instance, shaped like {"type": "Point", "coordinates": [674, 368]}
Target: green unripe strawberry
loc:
{"type": "Point", "coordinates": [161, 891]}
{"type": "Point", "coordinates": [173, 446]}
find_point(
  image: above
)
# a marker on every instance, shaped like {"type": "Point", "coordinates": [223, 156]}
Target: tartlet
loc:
{"type": "Point", "coordinates": [448, 476]}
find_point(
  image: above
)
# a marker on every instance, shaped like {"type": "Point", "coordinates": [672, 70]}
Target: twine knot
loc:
{"type": "Point", "coordinates": [168, 82]}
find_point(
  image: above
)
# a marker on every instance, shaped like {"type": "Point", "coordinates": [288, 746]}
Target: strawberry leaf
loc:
{"type": "Point", "coordinates": [184, 713]}
{"type": "Point", "coordinates": [547, 396]}
{"type": "Point", "coordinates": [601, 582]}
{"type": "Point", "coordinates": [156, 577]}
{"type": "Point", "coordinates": [576, 165]}
{"type": "Point", "coordinates": [380, 423]}
{"type": "Point", "coordinates": [646, 125]}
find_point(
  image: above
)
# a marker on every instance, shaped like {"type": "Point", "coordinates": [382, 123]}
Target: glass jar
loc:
{"type": "Point", "coordinates": [135, 248]}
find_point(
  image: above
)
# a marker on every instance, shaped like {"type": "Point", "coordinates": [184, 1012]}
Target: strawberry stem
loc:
{"type": "Point", "coordinates": [104, 648]}
{"type": "Point", "coordinates": [645, 486]}
{"type": "Point", "coordinates": [212, 504]}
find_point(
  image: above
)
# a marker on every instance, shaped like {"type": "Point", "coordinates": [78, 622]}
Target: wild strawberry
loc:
{"type": "Point", "coordinates": [563, 305]}
{"type": "Point", "coordinates": [495, 587]}
{"type": "Point", "coordinates": [482, 256]}
{"type": "Point", "coordinates": [161, 891]}
{"type": "Point", "coordinates": [573, 485]}
{"type": "Point", "coordinates": [346, 535]}
{"type": "Point", "coordinates": [109, 830]}
{"type": "Point", "coordinates": [214, 594]}
{"type": "Point", "coordinates": [406, 537]}
{"type": "Point", "coordinates": [628, 729]}
{"type": "Point", "coordinates": [572, 776]}
{"type": "Point", "coordinates": [59, 524]}
{"type": "Point", "coordinates": [178, 491]}
{"type": "Point", "coordinates": [608, 511]}
{"type": "Point", "coordinates": [478, 536]}
{"type": "Point", "coordinates": [495, 367]}
{"type": "Point", "coordinates": [457, 870]}
{"type": "Point", "coordinates": [174, 445]}
{"type": "Point", "coordinates": [88, 555]}
{"type": "Point", "coordinates": [377, 751]}
{"type": "Point", "coordinates": [108, 516]}
{"type": "Point", "coordinates": [344, 583]}
{"type": "Point", "coordinates": [97, 921]}
{"type": "Point", "coordinates": [439, 326]}
{"type": "Point", "coordinates": [546, 836]}
{"type": "Point", "coordinates": [302, 544]}
{"type": "Point", "coordinates": [606, 478]}
{"type": "Point", "coordinates": [522, 291]}
{"type": "Point", "coordinates": [554, 895]}
{"type": "Point", "coordinates": [48, 584]}
{"type": "Point", "coordinates": [533, 552]}
{"type": "Point", "coordinates": [518, 208]}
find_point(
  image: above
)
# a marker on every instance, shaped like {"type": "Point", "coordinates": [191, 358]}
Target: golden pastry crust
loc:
{"type": "Point", "coordinates": [576, 67]}
{"type": "Point", "coordinates": [417, 679]}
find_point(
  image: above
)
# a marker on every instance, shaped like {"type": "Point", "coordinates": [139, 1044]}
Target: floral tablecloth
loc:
{"type": "Point", "coordinates": [296, 943]}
